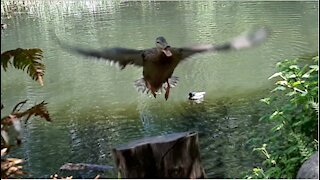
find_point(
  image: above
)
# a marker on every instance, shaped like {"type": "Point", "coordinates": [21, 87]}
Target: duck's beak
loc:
{"type": "Point", "coordinates": [167, 51]}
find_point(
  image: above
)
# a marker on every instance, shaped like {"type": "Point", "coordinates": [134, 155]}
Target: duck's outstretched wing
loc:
{"type": "Point", "coordinates": [241, 42]}
{"type": "Point", "coordinates": [122, 56]}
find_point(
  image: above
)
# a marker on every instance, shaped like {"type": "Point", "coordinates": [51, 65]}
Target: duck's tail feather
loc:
{"type": "Point", "coordinates": [140, 84]}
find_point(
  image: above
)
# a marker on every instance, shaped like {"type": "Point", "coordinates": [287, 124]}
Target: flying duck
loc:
{"type": "Point", "coordinates": [160, 62]}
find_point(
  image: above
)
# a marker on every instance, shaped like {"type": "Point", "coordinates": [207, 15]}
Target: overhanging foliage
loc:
{"type": "Point", "coordinates": [29, 59]}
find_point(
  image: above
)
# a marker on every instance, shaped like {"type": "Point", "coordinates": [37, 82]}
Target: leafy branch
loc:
{"type": "Point", "coordinates": [31, 61]}
{"type": "Point", "coordinates": [15, 119]}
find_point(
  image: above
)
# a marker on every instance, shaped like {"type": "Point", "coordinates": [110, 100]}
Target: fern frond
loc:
{"type": "Point", "coordinates": [25, 59]}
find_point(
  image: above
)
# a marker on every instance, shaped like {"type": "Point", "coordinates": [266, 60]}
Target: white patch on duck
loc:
{"type": "Point", "coordinates": [196, 96]}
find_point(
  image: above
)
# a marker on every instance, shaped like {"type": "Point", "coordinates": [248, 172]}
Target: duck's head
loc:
{"type": "Point", "coordinates": [163, 46]}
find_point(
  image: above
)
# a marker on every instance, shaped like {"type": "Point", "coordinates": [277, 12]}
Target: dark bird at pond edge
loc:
{"type": "Point", "coordinates": [160, 62]}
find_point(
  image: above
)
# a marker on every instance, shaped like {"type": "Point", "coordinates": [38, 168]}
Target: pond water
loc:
{"type": "Point", "coordinates": [95, 107]}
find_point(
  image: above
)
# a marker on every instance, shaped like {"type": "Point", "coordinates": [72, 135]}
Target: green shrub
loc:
{"type": "Point", "coordinates": [293, 138]}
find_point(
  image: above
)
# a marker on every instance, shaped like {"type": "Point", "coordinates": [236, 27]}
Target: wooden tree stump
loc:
{"type": "Point", "coordinates": [170, 156]}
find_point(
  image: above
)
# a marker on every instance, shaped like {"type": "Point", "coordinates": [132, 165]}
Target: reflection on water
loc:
{"type": "Point", "coordinates": [95, 106]}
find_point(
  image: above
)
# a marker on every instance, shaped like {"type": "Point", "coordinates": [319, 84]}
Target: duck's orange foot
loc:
{"type": "Point", "coordinates": [167, 91]}
{"type": "Point", "coordinates": [166, 96]}
{"type": "Point", "coordinates": [152, 89]}
{"type": "Point", "coordinates": [154, 94]}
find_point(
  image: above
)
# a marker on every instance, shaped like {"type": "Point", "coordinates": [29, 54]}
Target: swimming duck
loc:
{"type": "Point", "coordinates": [196, 97]}
{"type": "Point", "coordinates": [4, 26]}
{"type": "Point", "coordinates": [160, 62]}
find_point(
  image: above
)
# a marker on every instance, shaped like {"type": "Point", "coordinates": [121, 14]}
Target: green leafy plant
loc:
{"type": "Point", "coordinates": [31, 61]}
{"type": "Point", "coordinates": [294, 102]}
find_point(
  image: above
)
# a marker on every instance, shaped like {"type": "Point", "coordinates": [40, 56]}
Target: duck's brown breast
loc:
{"type": "Point", "coordinates": [157, 70]}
